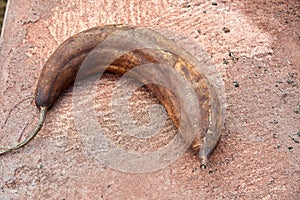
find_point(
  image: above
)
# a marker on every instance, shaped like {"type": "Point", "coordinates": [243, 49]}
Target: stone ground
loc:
{"type": "Point", "coordinates": [258, 156]}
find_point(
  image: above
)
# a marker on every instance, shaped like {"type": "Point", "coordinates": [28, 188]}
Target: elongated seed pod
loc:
{"type": "Point", "coordinates": [62, 67]}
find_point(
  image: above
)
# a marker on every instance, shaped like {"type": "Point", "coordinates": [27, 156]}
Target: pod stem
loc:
{"type": "Point", "coordinates": [43, 112]}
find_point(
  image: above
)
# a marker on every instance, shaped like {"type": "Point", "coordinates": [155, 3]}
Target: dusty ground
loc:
{"type": "Point", "coordinates": [258, 156]}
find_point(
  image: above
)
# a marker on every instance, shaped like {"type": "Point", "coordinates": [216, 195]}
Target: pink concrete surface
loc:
{"type": "Point", "coordinates": [258, 156]}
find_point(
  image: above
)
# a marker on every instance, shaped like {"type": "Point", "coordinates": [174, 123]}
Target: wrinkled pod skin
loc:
{"type": "Point", "coordinates": [62, 67]}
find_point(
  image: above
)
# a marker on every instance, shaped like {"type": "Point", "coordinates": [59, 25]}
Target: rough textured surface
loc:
{"type": "Point", "coordinates": [259, 154]}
